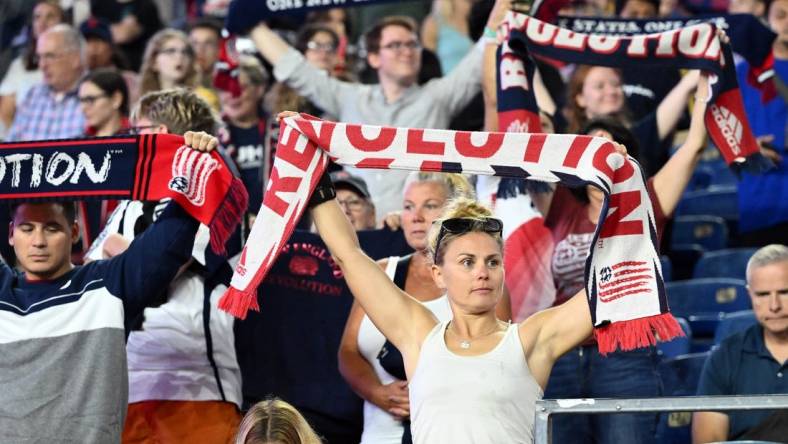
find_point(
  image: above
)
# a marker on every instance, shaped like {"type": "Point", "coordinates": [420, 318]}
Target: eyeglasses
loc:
{"type": "Point", "coordinates": [49, 56]}
{"type": "Point", "coordinates": [90, 100]}
{"type": "Point", "coordinates": [323, 47]}
{"type": "Point", "coordinates": [353, 204]}
{"type": "Point", "coordinates": [172, 51]}
{"type": "Point", "coordinates": [134, 130]}
{"type": "Point", "coordinates": [462, 225]}
{"type": "Point", "coordinates": [398, 46]}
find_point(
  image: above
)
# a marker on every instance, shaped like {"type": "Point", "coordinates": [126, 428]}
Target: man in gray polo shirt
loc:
{"type": "Point", "coordinates": [394, 51]}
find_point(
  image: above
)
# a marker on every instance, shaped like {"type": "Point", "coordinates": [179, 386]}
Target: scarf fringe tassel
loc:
{"type": "Point", "coordinates": [228, 215]}
{"type": "Point", "coordinates": [637, 333]}
{"type": "Point", "coordinates": [238, 303]}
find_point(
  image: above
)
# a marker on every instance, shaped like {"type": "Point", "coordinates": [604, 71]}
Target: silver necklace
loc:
{"type": "Point", "coordinates": [465, 344]}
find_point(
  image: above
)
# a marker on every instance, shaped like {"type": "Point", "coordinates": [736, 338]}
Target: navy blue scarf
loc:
{"type": "Point", "coordinates": [693, 47]}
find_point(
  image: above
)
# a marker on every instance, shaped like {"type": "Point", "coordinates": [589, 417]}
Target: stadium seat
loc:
{"type": "Point", "coordinates": [680, 377]}
{"type": "Point", "coordinates": [678, 346]}
{"type": "Point", "coordinates": [730, 263]}
{"type": "Point", "coordinates": [715, 201]}
{"type": "Point", "coordinates": [733, 323]}
{"type": "Point", "coordinates": [710, 232]}
{"type": "Point", "coordinates": [703, 302]}
{"type": "Point", "coordinates": [701, 178]}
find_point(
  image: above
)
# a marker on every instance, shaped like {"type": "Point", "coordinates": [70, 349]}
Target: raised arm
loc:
{"type": "Point", "coordinates": [672, 106]}
{"type": "Point", "coordinates": [271, 46]}
{"type": "Point", "coordinates": [402, 319]}
{"type": "Point", "coordinates": [291, 67]}
{"type": "Point", "coordinates": [671, 180]}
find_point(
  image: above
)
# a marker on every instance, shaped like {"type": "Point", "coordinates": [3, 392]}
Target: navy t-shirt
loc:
{"type": "Point", "coordinates": [742, 365]}
{"type": "Point", "coordinates": [289, 348]}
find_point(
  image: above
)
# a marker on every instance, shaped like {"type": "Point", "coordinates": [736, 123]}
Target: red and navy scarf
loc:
{"type": "Point", "coordinates": [694, 47]}
{"type": "Point", "coordinates": [144, 167]}
{"type": "Point", "coordinates": [750, 38]}
{"type": "Point", "coordinates": [623, 272]}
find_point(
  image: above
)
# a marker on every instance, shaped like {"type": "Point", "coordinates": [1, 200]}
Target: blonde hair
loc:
{"type": "Point", "coordinates": [275, 421]}
{"type": "Point", "coordinates": [459, 207]}
{"type": "Point", "coordinates": [179, 109]}
{"type": "Point", "coordinates": [149, 78]}
{"type": "Point", "coordinates": [456, 185]}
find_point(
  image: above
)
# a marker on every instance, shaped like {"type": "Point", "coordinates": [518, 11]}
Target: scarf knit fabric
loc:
{"type": "Point", "coordinates": [144, 167]}
{"type": "Point", "coordinates": [624, 277]}
{"type": "Point", "coordinates": [694, 47]}
{"type": "Point", "coordinates": [749, 37]}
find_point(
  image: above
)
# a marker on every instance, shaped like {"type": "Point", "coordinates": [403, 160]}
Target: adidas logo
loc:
{"type": "Point", "coordinates": [730, 127]}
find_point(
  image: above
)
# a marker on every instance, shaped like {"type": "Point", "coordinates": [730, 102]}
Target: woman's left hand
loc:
{"type": "Point", "coordinates": [200, 141]}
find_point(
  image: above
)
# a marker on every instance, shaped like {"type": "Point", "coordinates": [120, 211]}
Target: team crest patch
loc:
{"type": "Point", "coordinates": [191, 170]}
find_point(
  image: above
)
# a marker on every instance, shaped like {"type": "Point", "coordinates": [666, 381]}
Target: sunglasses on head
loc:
{"type": "Point", "coordinates": [461, 225]}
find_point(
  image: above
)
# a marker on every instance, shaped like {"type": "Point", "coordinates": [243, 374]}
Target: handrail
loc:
{"type": "Point", "coordinates": [546, 408]}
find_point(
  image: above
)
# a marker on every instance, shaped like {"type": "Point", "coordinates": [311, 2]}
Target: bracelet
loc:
{"type": "Point", "coordinates": [324, 191]}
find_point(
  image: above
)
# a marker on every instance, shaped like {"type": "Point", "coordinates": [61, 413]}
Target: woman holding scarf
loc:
{"type": "Point", "coordinates": [449, 401]}
{"type": "Point", "coordinates": [372, 366]}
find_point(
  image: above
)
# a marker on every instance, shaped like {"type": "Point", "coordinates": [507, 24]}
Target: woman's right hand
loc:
{"type": "Point", "coordinates": [393, 398]}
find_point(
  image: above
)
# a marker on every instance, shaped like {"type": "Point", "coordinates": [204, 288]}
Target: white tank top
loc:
{"type": "Point", "coordinates": [380, 427]}
{"type": "Point", "coordinates": [490, 398]}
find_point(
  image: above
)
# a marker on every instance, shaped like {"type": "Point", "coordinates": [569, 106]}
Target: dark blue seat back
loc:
{"type": "Point", "coordinates": [715, 201]}
{"type": "Point", "coordinates": [733, 323]}
{"type": "Point", "coordinates": [678, 346]}
{"type": "Point", "coordinates": [703, 302]}
{"type": "Point", "coordinates": [710, 232]}
{"type": "Point", "coordinates": [680, 377]}
{"type": "Point", "coordinates": [730, 263]}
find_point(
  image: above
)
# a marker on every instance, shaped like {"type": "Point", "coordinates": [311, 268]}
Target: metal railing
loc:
{"type": "Point", "coordinates": [547, 408]}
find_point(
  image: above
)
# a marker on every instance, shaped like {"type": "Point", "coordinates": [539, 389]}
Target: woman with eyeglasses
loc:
{"type": "Point", "coordinates": [471, 378]}
{"type": "Point", "coordinates": [319, 45]}
{"type": "Point", "coordinates": [104, 98]}
{"type": "Point", "coordinates": [169, 63]}
{"type": "Point", "coordinates": [372, 366]}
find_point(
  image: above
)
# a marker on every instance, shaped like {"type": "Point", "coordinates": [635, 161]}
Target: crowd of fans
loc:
{"type": "Point", "coordinates": [76, 69]}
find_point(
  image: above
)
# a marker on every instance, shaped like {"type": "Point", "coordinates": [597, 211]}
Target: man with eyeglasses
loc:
{"type": "Point", "coordinates": [394, 51]}
{"type": "Point", "coordinates": [50, 109]}
{"type": "Point", "coordinates": [353, 196]}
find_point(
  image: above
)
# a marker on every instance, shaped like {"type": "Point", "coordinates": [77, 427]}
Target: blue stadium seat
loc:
{"type": "Point", "coordinates": [701, 178]}
{"type": "Point", "coordinates": [703, 302]}
{"type": "Point", "coordinates": [733, 323]}
{"type": "Point", "coordinates": [716, 201]}
{"type": "Point", "coordinates": [710, 232]}
{"type": "Point", "coordinates": [680, 377]}
{"type": "Point", "coordinates": [678, 346]}
{"type": "Point", "coordinates": [723, 176]}
{"type": "Point", "coordinates": [667, 268]}
{"type": "Point", "coordinates": [730, 263]}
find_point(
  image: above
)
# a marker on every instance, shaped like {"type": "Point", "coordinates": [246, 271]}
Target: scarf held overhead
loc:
{"type": "Point", "coordinates": [694, 47]}
{"type": "Point", "coordinates": [145, 167]}
{"type": "Point", "coordinates": [624, 276]}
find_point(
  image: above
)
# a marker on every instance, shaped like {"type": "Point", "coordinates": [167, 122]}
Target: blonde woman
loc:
{"type": "Point", "coordinates": [168, 63]}
{"type": "Point", "coordinates": [274, 421]}
{"type": "Point", "coordinates": [472, 378]}
{"type": "Point", "coordinates": [372, 367]}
